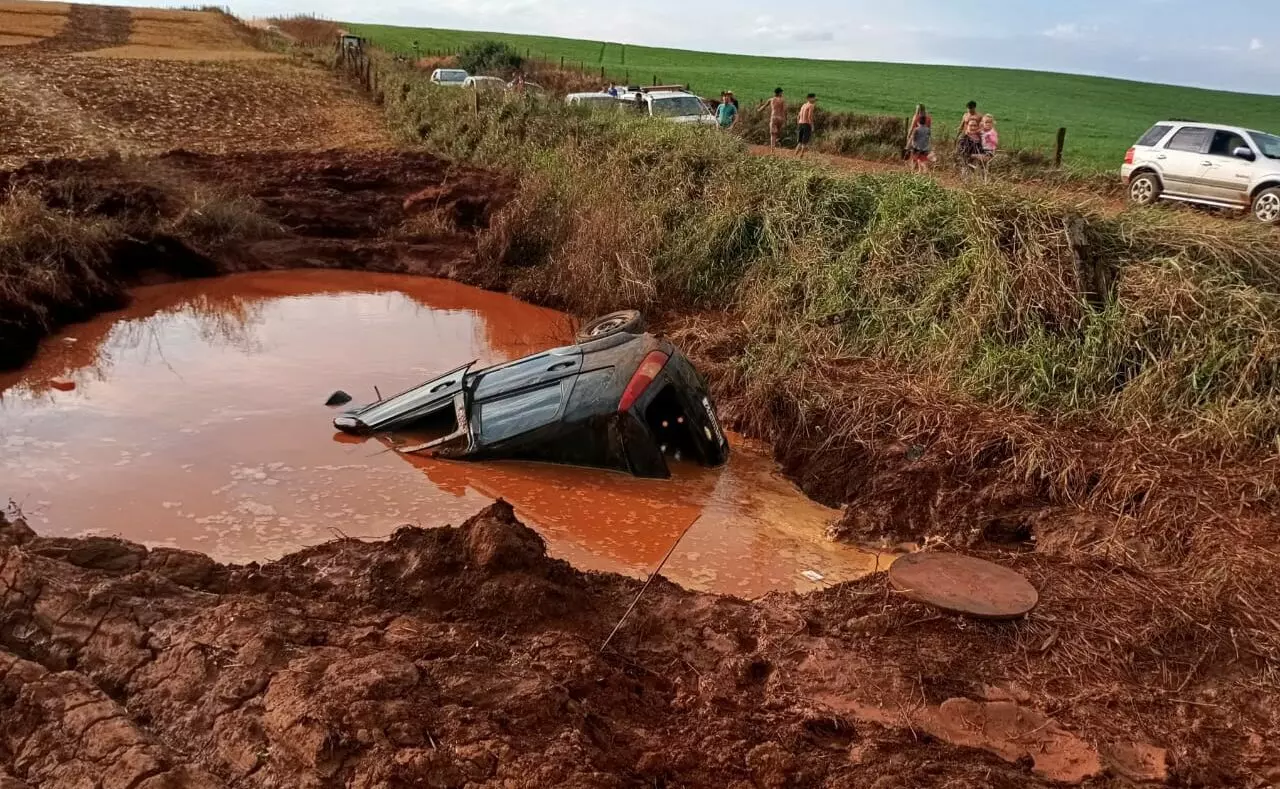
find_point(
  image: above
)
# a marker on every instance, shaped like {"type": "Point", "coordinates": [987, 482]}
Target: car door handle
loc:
{"type": "Point", "coordinates": [1207, 164]}
{"type": "Point", "coordinates": [1162, 156]}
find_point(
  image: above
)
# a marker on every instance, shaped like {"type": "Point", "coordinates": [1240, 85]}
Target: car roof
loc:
{"type": "Point", "coordinates": [489, 79]}
{"type": "Point", "coordinates": [589, 95]}
{"type": "Point", "coordinates": [1215, 126]}
{"type": "Point", "coordinates": [668, 94]}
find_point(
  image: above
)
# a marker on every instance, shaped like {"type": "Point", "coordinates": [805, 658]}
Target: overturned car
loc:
{"type": "Point", "coordinates": [618, 399]}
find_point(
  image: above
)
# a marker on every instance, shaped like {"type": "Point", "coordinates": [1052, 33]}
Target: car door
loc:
{"type": "Point", "coordinates": [1225, 176]}
{"type": "Point", "coordinates": [1182, 161]}
{"type": "Point", "coordinates": [523, 395]}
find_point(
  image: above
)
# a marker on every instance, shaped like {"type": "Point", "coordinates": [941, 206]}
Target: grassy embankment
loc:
{"type": "Point", "coordinates": [1103, 116]}
{"type": "Point", "coordinates": [962, 364]}
{"type": "Point", "coordinates": [69, 246]}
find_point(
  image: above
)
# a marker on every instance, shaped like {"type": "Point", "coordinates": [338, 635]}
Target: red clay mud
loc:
{"type": "Point", "coordinates": [466, 657]}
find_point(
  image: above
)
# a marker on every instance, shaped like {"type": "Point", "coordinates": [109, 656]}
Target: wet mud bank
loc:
{"type": "Point", "coordinates": [81, 232]}
{"type": "Point", "coordinates": [466, 657]}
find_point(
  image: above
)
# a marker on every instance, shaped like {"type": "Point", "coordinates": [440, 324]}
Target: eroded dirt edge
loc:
{"type": "Point", "coordinates": [466, 656]}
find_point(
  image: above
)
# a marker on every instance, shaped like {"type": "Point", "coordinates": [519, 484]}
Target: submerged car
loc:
{"type": "Point", "coordinates": [618, 399]}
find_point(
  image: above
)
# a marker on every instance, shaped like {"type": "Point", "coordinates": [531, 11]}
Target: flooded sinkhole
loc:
{"type": "Point", "coordinates": [197, 421]}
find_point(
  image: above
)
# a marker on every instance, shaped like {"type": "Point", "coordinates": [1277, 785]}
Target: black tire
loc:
{"type": "Point", "coordinates": [1266, 206]}
{"type": "Point", "coordinates": [1144, 189]}
{"type": "Point", "coordinates": [630, 321]}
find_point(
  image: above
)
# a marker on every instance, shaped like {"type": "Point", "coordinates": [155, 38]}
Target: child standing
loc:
{"type": "Point", "coordinates": [920, 140]}
{"type": "Point", "coordinates": [990, 137]}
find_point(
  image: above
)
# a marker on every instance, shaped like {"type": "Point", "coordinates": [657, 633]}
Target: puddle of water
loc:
{"type": "Point", "coordinates": [197, 422]}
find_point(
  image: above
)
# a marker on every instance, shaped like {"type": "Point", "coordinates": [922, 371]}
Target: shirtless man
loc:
{"type": "Point", "coordinates": [777, 116]}
{"type": "Point", "coordinates": [804, 124]}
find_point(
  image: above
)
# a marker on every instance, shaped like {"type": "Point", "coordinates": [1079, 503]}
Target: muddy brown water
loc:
{"type": "Point", "coordinates": [197, 421]}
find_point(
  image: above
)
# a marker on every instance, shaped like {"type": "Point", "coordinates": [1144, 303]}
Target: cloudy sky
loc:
{"type": "Point", "coordinates": [1228, 44]}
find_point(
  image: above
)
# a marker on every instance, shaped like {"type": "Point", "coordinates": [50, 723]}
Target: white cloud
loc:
{"type": "Point", "coordinates": [767, 28]}
{"type": "Point", "coordinates": [1255, 45]}
{"type": "Point", "coordinates": [1070, 31]}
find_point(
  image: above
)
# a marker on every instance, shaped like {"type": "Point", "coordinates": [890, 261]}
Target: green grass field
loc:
{"type": "Point", "coordinates": [1102, 116]}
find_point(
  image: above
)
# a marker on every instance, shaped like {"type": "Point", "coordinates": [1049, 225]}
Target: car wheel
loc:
{"type": "Point", "coordinates": [629, 321]}
{"type": "Point", "coordinates": [1266, 206]}
{"type": "Point", "coordinates": [1144, 190]}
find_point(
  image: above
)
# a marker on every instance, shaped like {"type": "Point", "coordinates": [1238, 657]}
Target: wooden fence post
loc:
{"type": "Point", "coordinates": [1057, 151]}
{"type": "Point", "coordinates": [562, 62]}
{"type": "Point", "coordinates": [655, 79]}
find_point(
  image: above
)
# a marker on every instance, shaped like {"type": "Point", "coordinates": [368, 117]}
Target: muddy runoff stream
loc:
{"type": "Point", "coordinates": [197, 421]}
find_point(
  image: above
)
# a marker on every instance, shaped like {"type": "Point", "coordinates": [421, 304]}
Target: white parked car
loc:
{"type": "Point", "coordinates": [1206, 163]}
{"type": "Point", "coordinates": [484, 83]}
{"type": "Point", "coordinates": [677, 106]}
{"type": "Point", "coordinates": [593, 100]}
{"type": "Point", "coordinates": [449, 77]}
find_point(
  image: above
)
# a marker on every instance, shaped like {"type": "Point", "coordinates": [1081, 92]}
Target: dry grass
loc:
{"type": "Point", "coordinates": [62, 255]}
{"type": "Point", "coordinates": [309, 30]}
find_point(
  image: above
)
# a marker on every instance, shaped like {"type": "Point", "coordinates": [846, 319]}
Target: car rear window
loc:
{"type": "Point", "coordinates": [1154, 135]}
{"type": "Point", "coordinates": [1190, 139]}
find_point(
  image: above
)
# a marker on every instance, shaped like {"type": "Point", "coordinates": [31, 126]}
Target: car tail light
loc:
{"type": "Point", "coordinates": [1128, 157]}
{"type": "Point", "coordinates": [649, 369]}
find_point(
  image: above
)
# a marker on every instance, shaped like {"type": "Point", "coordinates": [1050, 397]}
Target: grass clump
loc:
{"type": "Point", "coordinates": [72, 238]}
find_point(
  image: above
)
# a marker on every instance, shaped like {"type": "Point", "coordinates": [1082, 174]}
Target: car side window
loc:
{"type": "Point", "coordinates": [1191, 139]}
{"type": "Point", "coordinates": [1225, 142]}
{"type": "Point", "coordinates": [1154, 135]}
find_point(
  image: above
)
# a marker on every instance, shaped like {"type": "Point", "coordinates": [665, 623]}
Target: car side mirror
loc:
{"type": "Point", "coordinates": [1243, 153]}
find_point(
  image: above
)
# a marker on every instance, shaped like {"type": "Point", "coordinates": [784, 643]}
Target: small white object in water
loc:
{"type": "Point", "coordinates": [813, 575]}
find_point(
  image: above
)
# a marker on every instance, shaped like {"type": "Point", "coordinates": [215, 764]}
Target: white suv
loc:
{"type": "Point", "coordinates": [1209, 164]}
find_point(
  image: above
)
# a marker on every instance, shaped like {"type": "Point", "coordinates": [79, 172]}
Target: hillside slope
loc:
{"type": "Point", "coordinates": [1103, 116]}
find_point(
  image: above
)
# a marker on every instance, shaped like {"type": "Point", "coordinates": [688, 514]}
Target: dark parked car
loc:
{"type": "Point", "coordinates": [619, 399]}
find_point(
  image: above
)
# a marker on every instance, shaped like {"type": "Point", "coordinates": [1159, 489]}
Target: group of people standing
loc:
{"type": "Point", "coordinates": [727, 113]}
{"type": "Point", "coordinates": [977, 139]}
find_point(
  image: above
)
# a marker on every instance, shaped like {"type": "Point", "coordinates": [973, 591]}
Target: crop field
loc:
{"type": "Point", "coordinates": [23, 23]}
{"type": "Point", "coordinates": [1102, 116]}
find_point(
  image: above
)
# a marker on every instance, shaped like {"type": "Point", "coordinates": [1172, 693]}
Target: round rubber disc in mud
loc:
{"type": "Point", "coordinates": [963, 585]}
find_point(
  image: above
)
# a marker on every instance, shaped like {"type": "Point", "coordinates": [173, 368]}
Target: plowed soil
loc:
{"type": "Point", "coordinates": [466, 657]}
{"type": "Point", "coordinates": [158, 81]}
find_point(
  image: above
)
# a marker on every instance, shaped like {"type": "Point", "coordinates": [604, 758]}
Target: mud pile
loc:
{"type": "Point", "coordinates": [466, 657]}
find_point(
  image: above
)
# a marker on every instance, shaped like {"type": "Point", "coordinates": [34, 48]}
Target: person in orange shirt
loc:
{"type": "Point", "coordinates": [804, 124]}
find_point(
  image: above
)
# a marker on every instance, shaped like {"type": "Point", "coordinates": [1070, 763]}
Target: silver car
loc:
{"type": "Point", "coordinates": [1209, 164]}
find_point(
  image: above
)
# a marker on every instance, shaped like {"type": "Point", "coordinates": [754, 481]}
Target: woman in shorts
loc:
{"type": "Point", "coordinates": [920, 140]}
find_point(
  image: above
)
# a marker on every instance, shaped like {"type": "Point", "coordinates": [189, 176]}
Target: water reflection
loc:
{"type": "Point", "coordinates": [197, 423]}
